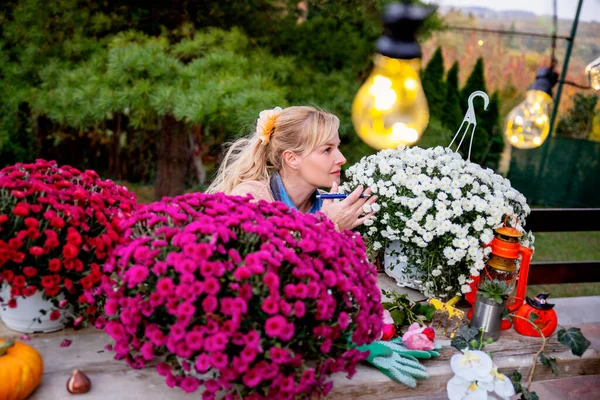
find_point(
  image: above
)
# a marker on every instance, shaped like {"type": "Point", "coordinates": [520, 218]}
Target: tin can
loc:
{"type": "Point", "coordinates": [487, 315]}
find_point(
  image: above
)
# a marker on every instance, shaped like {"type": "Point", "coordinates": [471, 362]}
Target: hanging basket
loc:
{"type": "Point", "coordinates": [404, 275]}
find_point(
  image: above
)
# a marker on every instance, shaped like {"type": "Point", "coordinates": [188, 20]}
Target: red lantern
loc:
{"type": "Point", "coordinates": [502, 265]}
{"type": "Point", "coordinates": [546, 319]}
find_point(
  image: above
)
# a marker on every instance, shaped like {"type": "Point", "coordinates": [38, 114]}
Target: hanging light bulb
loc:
{"type": "Point", "coordinates": [528, 124]}
{"type": "Point", "coordinates": [390, 108]}
{"type": "Point", "coordinates": [593, 73]}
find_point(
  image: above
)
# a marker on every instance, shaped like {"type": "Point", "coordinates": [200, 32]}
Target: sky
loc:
{"type": "Point", "coordinates": [590, 10]}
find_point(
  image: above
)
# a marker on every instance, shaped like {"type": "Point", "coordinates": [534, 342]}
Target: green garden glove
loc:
{"type": "Point", "coordinates": [398, 345]}
{"type": "Point", "coordinates": [395, 362]}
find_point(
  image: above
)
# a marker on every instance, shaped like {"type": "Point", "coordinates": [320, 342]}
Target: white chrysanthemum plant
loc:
{"type": "Point", "coordinates": [434, 214]}
{"type": "Point", "coordinates": [477, 378]}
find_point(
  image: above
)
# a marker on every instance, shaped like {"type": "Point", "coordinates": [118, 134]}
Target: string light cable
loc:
{"type": "Point", "coordinates": [554, 36]}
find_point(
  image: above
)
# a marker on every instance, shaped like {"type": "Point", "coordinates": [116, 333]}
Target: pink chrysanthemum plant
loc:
{"type": "Point", "coordinates": [58, 225]}
{"type": "Point", "coordinates": [245, 299]}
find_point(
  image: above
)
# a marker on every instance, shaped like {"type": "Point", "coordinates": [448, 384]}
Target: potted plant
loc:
{"type": "Point", "coordinates": [433, 214]}
{"type": "Point", "coordinates": [250, 300]}
{"type": "Point", "coordinates": [489, 307]}
{"type": "Point", "coordinates": [57, 227]}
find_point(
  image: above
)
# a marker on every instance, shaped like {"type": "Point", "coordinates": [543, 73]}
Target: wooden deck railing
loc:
{"type": "Point", "coordinates": [564, 220]}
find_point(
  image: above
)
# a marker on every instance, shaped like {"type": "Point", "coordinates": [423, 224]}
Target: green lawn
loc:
{"type": "Point", "coordinates": [566, 246]}
{"type": "Point", "coordinates": [549, 246]}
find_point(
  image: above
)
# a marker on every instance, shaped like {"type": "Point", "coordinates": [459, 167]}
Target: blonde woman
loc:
{"type": "Point", "coordinates": [293, 152]}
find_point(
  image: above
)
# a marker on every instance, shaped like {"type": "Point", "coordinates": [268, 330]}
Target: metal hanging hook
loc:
{"type": "Point", "coordinates": [470, 119]}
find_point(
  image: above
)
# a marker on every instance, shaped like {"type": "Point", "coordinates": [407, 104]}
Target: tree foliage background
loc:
{"type": "Point", "coordinates": [149, 94]}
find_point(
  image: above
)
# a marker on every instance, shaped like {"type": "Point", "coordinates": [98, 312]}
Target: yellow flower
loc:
{"type": "Point", "coordinates": [266, 123]}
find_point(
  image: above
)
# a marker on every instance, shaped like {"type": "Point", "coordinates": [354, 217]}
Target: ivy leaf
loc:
{"type": "Point", "coordinates": [459, 343]}
{"type": "Point", "coordinates": [424, 310]}
{"type": "Point", "coordinates": [549, 362]}
{"type": "Point", "coordinates": [527, 395]}
{"type": "Point", "coordinates": [468, 333]}
{"type": "Point", "coordinates": [574, 339]}
{"type": "Point", "coordinates": [516, 377]}
{"type": "Point", "coordinates": [398, 316]}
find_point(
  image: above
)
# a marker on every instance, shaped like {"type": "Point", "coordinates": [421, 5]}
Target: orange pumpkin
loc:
{"type": "Point", "coordinates": [21, 370]}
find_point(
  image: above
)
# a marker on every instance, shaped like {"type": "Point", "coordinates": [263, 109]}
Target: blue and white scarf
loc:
{"type": "Point", "coordinates": [279, 194]}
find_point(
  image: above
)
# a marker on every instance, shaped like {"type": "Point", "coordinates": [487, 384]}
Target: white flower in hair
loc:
{"type": "Point", "coordinates": [266, 123]}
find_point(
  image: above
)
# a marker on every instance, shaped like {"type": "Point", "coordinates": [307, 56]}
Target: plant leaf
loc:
{"type": "Point", "coordinates": [549, 362]}
{"type": "Point", "coordinates": [468, 333]}
{"type": "Point", "coordinates": [459, 343]}
{"type": "Point", "coordinates": [574, 339]}
{"type": "Point", "coordinates": [398, 316]}
{"type": "Point", "coordinates": [527, 395]}
{"type": "Point", "coordinates": [516, 377]}
{"type": "Point", "coordinates": [424, 310]}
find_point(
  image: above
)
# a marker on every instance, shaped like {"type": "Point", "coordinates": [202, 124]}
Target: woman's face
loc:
{"type": "Point", "coordinates": [322, 166]}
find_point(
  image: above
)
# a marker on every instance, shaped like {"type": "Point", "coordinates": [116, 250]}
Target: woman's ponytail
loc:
{"type": "Point", "coordinates": [245, 160]}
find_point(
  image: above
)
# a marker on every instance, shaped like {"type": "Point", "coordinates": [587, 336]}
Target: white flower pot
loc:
{"type": "Point", "coordinates": [398, 269]}
{"type": "Point", "coordinates": [26, 317]}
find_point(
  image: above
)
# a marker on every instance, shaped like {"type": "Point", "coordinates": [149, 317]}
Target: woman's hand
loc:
{"type": "Point", "coordinates": [346, 214]}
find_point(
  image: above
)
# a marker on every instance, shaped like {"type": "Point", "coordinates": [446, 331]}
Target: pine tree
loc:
{"type": "Point", "coordinates": [475, 82]}
{"type": "Point", "coordinates": [491, 117]}
{"type": "Point", "coordinates": [433, 82]}
{"type": "Point", "coordinates": [578, 123]}
{"type": "Point", "coordinates": [491, 123]}
{"type": "Point", "coordinates": [452, 114]}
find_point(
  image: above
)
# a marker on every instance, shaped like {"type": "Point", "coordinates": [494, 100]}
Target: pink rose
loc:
{"type": "Point", "coordinates": [416, 339]}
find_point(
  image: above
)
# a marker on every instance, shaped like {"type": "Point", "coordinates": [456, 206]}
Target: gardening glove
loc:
{"type": "Point", "coordinates": [395, 362]}
{"type": "Point", "coordinates": [397, 345]}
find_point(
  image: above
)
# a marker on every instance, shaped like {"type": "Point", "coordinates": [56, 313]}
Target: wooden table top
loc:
{"type": "Point", "coordinates": [114, 379]}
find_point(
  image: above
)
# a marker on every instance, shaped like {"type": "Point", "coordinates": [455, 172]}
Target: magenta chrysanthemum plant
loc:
{"type": "Point", "coordinates": [246, 299]}
{"type": "Point", "coordinates": [57, 227]}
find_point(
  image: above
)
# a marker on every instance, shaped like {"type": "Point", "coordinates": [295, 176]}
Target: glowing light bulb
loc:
{"type": "Point", "coordinates": [480, 42]}
{"type": "Point", "coordinates": [528, 124]}
{"type": "Point", "coordinates": [593, 73]}
{"type": "Point", "coordinates": [390, 109]}
{"type": "Point", "coordinates": [403, 133]}
{"type": "Point", "coordinates": [382, 91]}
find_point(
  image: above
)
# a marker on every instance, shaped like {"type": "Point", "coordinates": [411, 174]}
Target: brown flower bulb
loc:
{"type": "Point", "coordinates": [79, 383]}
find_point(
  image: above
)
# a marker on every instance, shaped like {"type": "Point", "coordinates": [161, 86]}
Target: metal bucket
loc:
{"type": "Point", "coordinates": [487, 315]}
